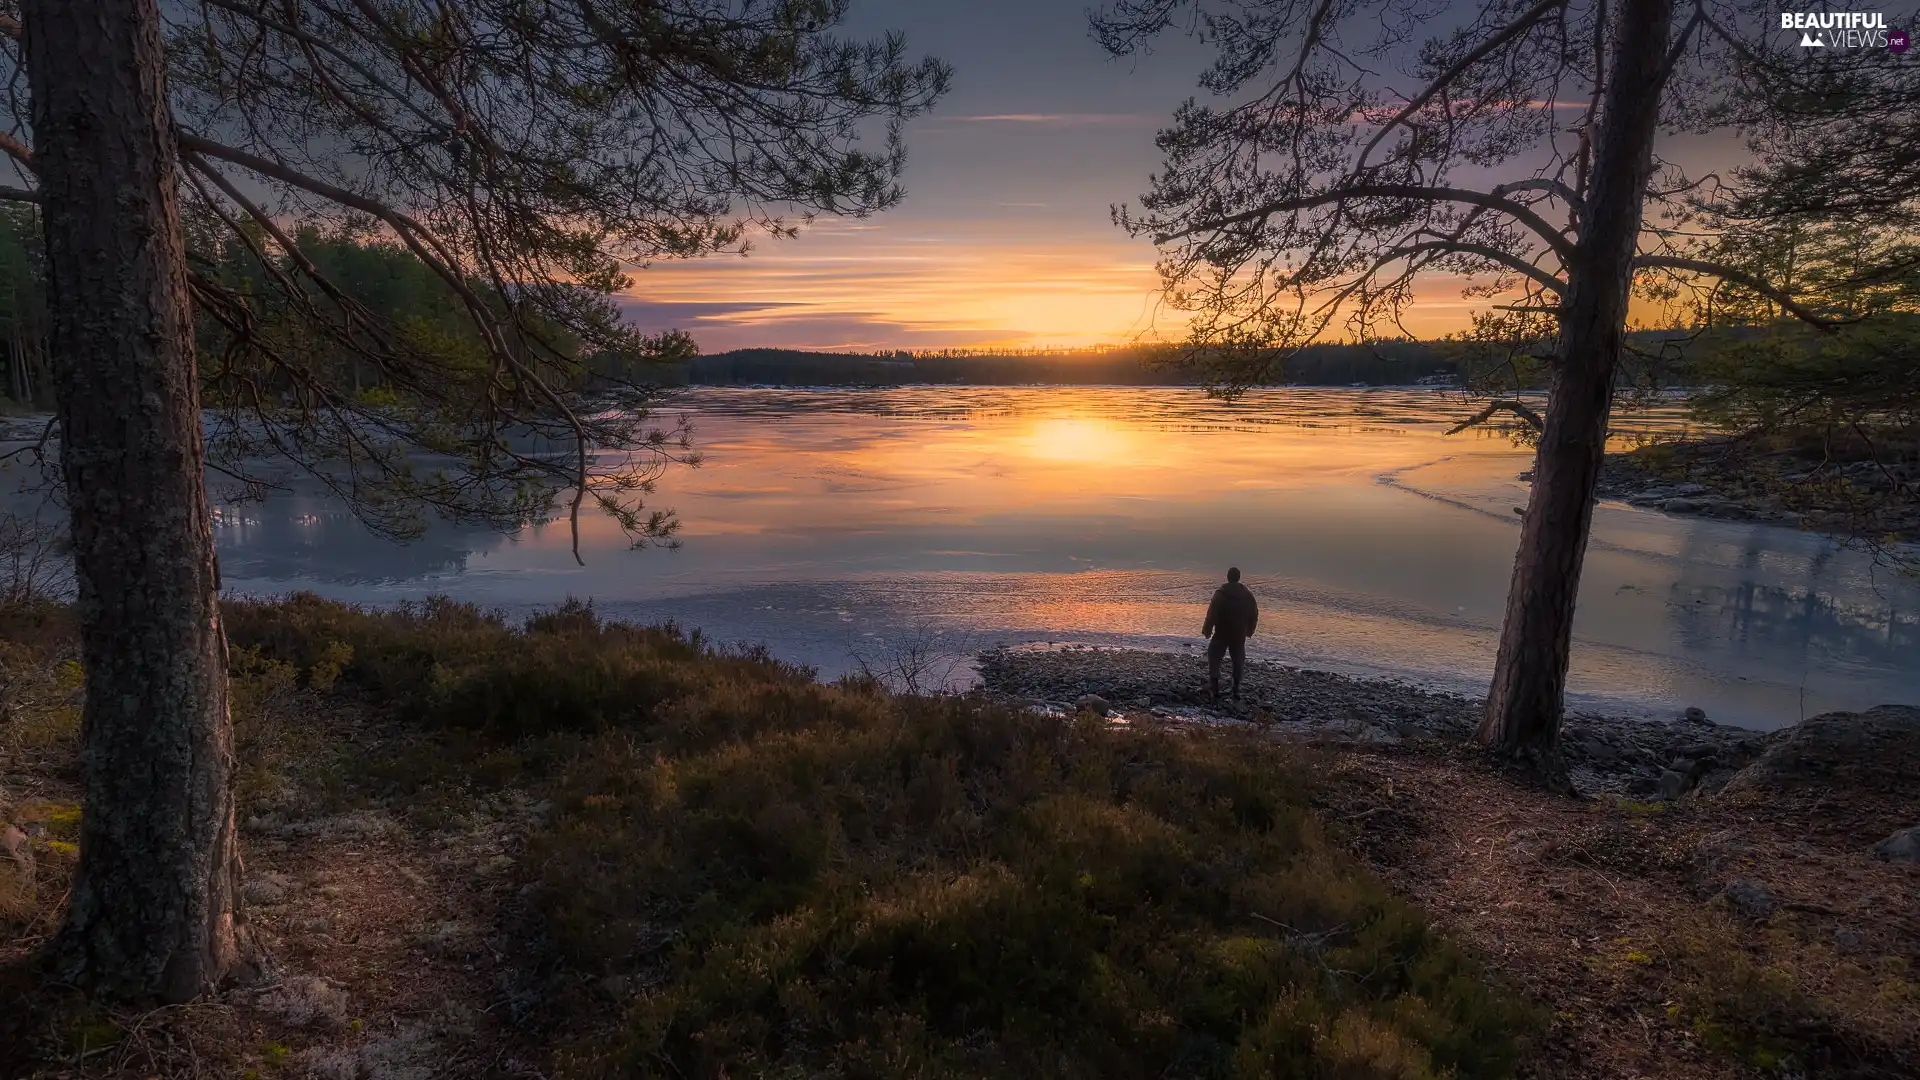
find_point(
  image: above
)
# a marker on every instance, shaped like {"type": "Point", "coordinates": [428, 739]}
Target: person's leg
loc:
{"type": "Point", "coordinates": [1239, 661]}
{"type": "Point", "coordinates": [1216, 649]}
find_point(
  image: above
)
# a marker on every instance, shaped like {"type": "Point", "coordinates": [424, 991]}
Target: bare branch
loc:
{"type": "Point", "coordinates": [1518, 408]}
{"type": "Point", "coordinates": [17, 150]}
{"type": "Point", "coordinates": [1745, 280]}
{"type": "Point", "coordinates": [273, 169]}
{"type": "Point", "coordinates": [1518, 211]}
{"type": "Point", "coordinates": [1512, 30]}
{"type": "Point", "coordinates": [1547, 184]}
{"type": "Point", "coordinates": [1504, 258]}
{"type": "Point", "coordinates": [14, 194]}
{"type": "Point", "coordinates": [323, 45]}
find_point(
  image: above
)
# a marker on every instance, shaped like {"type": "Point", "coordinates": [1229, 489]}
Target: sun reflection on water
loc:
{"type": "Point", "coordinates": [1107, 514]}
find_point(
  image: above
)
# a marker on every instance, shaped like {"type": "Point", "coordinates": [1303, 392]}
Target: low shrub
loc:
{"type": "Point", "coordinates": [447, 664]}
{"type": "Point", "coordinates": [743, 872]}
{"type": "Point", "coordinates": [943, 888]}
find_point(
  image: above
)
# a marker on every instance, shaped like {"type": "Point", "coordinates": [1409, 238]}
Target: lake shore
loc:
{"type": "Point", "coordinates": [1644, 759]}
{"type": "Point", "coordinates": [1844, 493]}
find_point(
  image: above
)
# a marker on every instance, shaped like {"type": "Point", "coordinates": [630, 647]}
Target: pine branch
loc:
{"type": "Point", "coordinates": [1413, 192]}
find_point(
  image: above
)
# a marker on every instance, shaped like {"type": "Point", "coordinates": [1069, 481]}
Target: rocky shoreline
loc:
{"type": "Point", "coordinates": [1725, 479]}
{"type": "Point", "coordinates": [1639, 759]}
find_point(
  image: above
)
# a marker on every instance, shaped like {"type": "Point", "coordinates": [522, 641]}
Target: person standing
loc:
{"type": "Point", "coordinates": [1231, 619]}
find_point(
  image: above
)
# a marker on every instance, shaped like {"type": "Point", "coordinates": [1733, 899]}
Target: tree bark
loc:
{"type": "Point", "coordinates": [154, 911]}
{"type": "Point", "coordinates": [1530, 674]}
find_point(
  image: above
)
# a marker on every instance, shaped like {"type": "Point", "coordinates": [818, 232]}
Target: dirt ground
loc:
{"type": "Point", "coordinates": [1729, 937]}
{"type": "Point", "coordinates": [385, 959]}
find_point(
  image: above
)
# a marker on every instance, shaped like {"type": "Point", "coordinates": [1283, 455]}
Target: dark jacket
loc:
{"type": "Point", "coordinates": [1233, 613]}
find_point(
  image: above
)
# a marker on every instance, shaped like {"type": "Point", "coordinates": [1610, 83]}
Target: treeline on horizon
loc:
{"type": "Point", "coordinates": [395, 285]}
{"type": "Point", "coordinates": [1384, 363]}
{"type": "Point", "coordinates": [1399, 362]}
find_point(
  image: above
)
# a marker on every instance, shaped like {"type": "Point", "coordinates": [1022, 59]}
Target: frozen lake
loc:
{"type": "Point", "coordinates": [836, 523]}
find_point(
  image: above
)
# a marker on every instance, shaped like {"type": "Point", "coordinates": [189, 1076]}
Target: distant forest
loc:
{"type": "Point", "coordinates": [1383, 364]}
{"type": "Point", "coordinates": [392, 284]}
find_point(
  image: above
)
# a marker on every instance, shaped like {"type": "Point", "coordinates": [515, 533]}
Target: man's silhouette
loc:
{"type": "Point", "coordinates": [1231, 618]}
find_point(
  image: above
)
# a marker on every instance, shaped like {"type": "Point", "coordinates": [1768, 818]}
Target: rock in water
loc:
{"type": "Point", "coordinates": [1901, 847]}
{"type": "Point", "coordinates": [1696, 715]}
{"type": "Point", "coordinates": [1874, 751]}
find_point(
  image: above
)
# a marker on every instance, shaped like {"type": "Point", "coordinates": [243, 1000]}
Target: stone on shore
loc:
{"type": "Point", "coordinates": [1606, 754]}
{"type": "Point", "coordinates": [1877, 750]}
{"type": "Point", "coordinates": [1672, 784]}
{"type": "Point", "coordinates": [1901, 847]}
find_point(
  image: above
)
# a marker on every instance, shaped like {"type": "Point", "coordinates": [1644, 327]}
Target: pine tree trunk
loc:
{"type": "Point", "coordinates": [1530, 674]}
{"type": "Point", "coordinates": [154, 910]}
{"type": "Point", "coordinates": [36, 362]}
{"type": "Point", "coordinates": [16, 373]}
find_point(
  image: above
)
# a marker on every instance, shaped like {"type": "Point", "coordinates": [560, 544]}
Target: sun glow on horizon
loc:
{"type": "Point", "coordinates": [863, 286]}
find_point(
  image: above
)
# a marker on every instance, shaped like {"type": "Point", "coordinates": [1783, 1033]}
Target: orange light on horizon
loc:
{"type": "Point", "coordinates": [864, 287]}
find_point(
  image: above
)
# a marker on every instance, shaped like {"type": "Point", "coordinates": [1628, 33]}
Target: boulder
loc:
{"type": "Point", "coordinates": [1873, 751]}
{"type": "Point", "coordinates": [1681, 506]}
{"type": "Point", "coordinates": [1749, 899]}
{"type": "Point", "coordinates": [1598, 753]}
{"type": "Point", "coordinates": [1093, 703]}
{"type": "Point", "coordinates": [1715, 781]}
{"type": "Point", "coordinates": [1901, 847]}
{"type": "Point", "coordinates": [1672, 784]}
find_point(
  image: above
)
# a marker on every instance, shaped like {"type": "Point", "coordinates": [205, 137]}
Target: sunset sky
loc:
{"type": "Point", "coordinates": [1005, 236]}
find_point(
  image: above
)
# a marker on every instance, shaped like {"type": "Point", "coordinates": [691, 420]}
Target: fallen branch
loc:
{"type": "Point", "coordinates": [1520, 409]}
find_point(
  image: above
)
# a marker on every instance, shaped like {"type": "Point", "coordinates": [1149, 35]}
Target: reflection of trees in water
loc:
{"type": "Point", "coordinates": [312, 537]}
{"type": "Point", "coordinates": [1792, 621]}
{"type": "Point", "coordinates": [304, 534]}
